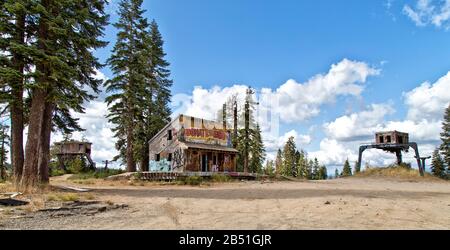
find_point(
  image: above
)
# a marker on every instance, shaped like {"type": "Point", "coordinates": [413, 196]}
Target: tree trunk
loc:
{"type": "Point", "coordinates": [37, 113]}
{"type": "Point", "coordinates": [131, 165]}
{"type": "Point", "coordinates": [30, 168]}
{"type": "Point", "coordinates": [44, 144]}
{"type": "Point", "coordinates": [16, 105]}
{"type": "Point", "coordinates": [145, 158]}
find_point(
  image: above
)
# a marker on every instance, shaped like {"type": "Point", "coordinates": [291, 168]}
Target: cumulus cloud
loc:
{"type": "Point", "coordinates": [292, 101]}
{"type": "Point", "coordinates": [429, 100]}
{"type": "Point", "coordinates": [97, 128]}
{"type": "Point", "coordinates": [272, 143]}
{"type": "Point", "coordinates": [429, 12]}
{"type": "Point", "coordinates": [358, 126]}
{"type": "Point", "coordinates": [302, 101]}
{"type": "Point", "coordinates": [426, 105]}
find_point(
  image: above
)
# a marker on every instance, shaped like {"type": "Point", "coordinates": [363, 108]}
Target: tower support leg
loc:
{"type": "Point", "coordinates": [398, 153]}
{"type": "Point", "coordinates": [416, 150]}
{"type": "Point", "coordinates": [361, 151]}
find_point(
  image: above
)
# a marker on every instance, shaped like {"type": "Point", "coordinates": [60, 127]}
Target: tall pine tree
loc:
{"type": "Point", "coordinates": [154, 96]}
{"type": "Point", "coordinates": [347, 170]}
{"type": "Point", "coordinates": [50, 55]}
{"type": "Point", "coordinates": [279, 162]}
{"type": "Point", "coordinates": [129, 63]}
{"type": "Point", "coordinates": [437, 165]}
{"type": "Point", "coordinates": [257, 151]}
{"type": "Point", "coordinates": [289, 163]}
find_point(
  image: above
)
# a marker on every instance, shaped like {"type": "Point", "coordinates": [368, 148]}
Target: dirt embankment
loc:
{"type": "Point", "coordinates": [352, 203]}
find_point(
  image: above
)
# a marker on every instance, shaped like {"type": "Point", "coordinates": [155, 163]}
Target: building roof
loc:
{"type": "Point", "coordinates": [192, 145]}
{"type": "Point", "coordinates": [390, 132]}
{"type": "Point", "coordinates": [73, 142]}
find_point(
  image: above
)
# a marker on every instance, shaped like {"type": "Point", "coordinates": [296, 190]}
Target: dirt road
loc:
{"type": "Point", "coordinates": [354, 203]}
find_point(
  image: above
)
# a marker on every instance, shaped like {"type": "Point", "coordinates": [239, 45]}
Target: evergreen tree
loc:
{"type": "Point", "coordinates": [336, 173]}
{"type": "Point", "coordinates": [445, 137]}
{"type": "Point", "coordinates": [129, 64]}
{"type": "Point", "coordinates": [257, 151]}
{"type": "Point", "coordinates": [154, 96]}
{"type": "Point", "coordinates": [14, 54]}
{"type": "Point", "coordinates": [60, 39]}
{"type": "Point", "coordinates": [279, 162]}
{"type": "Point", "coordinates": [4, 143]}
{"type": "Point", "coordinates": [289, 164]}
{"type": "Point", "coordinates": [315, 171]}
{"type": "Point", "coordinates": [269, 169]}
{"type": "Point", "coordinates": [302, 162]}
{"type": "Point", "coordinates": [347, 170]}
{"type": "Point", "coordinates": [437, 165]}
{"type": "Point", "coordinates": [309, 170]}
{"type": "Point", "coordinates": [323, 174]}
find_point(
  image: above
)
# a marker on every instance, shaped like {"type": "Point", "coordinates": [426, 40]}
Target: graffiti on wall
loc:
{"type": "Point", "coordinates": [178, 160]}
{"type": "Point", "coordinates": [160, 166]}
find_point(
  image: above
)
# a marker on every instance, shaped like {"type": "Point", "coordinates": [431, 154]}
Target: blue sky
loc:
{"type": "Point", "coordinates": [393, 46]}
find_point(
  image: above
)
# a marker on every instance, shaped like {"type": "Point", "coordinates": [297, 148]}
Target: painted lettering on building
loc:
{"type": "Point", "coordinates": [205, 134]}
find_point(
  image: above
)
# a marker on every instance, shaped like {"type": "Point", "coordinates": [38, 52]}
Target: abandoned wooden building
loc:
{"type": "Point", "coordinates": [189, 144]}
{"type": "Point", "coordinates": [70, 149]}
{"type": "Point", "coordinates": [391, 137]}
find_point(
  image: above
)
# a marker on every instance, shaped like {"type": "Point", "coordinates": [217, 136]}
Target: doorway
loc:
{"type": "Point", "coordinates": [204, 162]}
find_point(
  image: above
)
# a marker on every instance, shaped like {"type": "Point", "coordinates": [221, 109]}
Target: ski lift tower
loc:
{"type": "Point", "coordinates": [393, 142]}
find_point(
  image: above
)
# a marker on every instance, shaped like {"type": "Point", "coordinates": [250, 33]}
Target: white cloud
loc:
{"type": "Point", "coordinates": [429, 12]}
{"type": "Point", "coordinates": [360, 125]}
{"type": "Point", "coordinates": [333, 153]}
{"type": "Point", "coordinates": [272, 143]}
{"type": "Point", "coordinates": [426, 105]}
{"type": "Point", "coordinates": [97, 130]}
{"type": "Point", "coordinates": [292, 101]}
{"type": "Point", "coordinates": [302, 101]}
{"type": "Point", "coordinates": [205, 103]}
{"type": "Point", "coordinates": [428, 101]}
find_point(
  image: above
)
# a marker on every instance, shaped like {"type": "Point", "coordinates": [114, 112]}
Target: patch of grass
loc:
{"type": "Point", "coordinates": [403, 171]}
{"type": "Point", "coordinates": [191, 180]}
{"type": "Point", "coordinates": [100, 174]}
{"type": "Point", "coordinates": [63, 197]}
{"type": "Point", "coordinates": [220, 178]}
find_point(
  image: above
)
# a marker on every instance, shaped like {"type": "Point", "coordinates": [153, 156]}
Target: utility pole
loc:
{"type": "Point", "coordinates": [249, 94]}
{"type": "Point", "coordinates": [235, 122]}
{"type": "Point", "coordinates": [224, 116]}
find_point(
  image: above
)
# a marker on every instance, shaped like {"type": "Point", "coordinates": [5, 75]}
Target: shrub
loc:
{"type": "Point", "coordinates": [192, 180]}
{"type": "Point", "coordinates": [220, 178]}
{"type": "Point", "coordinates": [99, 174]}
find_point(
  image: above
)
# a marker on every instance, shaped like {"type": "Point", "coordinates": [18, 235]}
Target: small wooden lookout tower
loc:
{"type": "Point", "coordinates": [393, 142]}
{"type": "Point", "coordinates": [71, 149]}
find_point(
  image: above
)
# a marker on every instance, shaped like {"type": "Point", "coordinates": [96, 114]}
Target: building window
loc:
{"type": "Point", "coordinates": [388, 139]}
{"type": "Point", "coordinates": [170, 157]}
{"type": "Point", "coordinates": [192, 122]}
{"type": "Point", "coordinates": [381, 139]}
{"type": "Point", "coordinates": [169, 134]}
{"type": "Point", "coordinates": [158, 157]}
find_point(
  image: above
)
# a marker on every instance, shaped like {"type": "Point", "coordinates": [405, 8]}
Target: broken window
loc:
{"type": "Point", "coordinates": [158, 157]}
{"type": "Point", "coordinates": [381, 139]}
{"type": "Point", "coordinates": [169, 134]}
{"type": "Point", "coordinates": [388, 139]}
{"type": "Point", "coordinates": [192, 122]}
{"type": "Point", "coordinates": [400, 139]}
{"type": "Point", "coordinates": [169, 158]}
